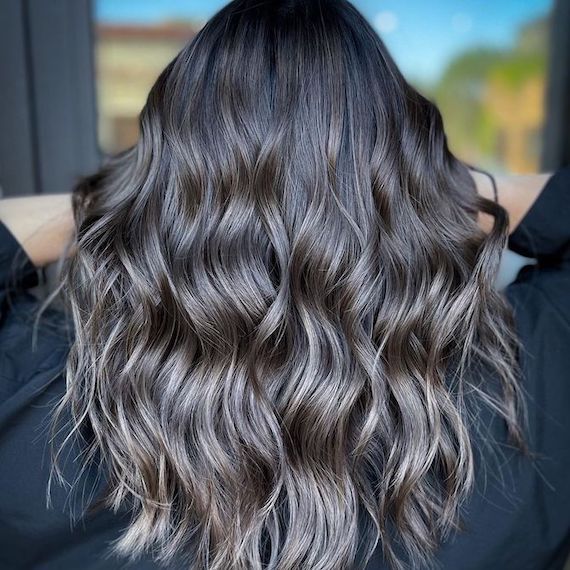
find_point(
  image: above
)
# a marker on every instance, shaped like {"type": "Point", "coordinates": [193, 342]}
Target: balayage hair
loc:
{"type": "Point", "coordinates": [283, 304]}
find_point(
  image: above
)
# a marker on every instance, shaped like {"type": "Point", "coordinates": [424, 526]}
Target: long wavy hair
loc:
{"type": "Point", "coordinates": [283, 304]}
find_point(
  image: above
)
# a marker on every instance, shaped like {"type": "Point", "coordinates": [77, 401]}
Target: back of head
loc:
{"type": "Point", "coordinates": [279, 293]}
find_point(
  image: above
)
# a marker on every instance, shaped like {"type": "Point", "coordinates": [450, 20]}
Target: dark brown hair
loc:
{"type": "Point", "coordinates": [283, 304]}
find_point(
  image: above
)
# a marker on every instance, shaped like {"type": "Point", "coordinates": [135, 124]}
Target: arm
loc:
{"type": "Point", "coordinates": [538, 206]}
{"type": "Point", "coordinates": [41, 224]}
{"type": "Point", "coordinates": [517, 193]}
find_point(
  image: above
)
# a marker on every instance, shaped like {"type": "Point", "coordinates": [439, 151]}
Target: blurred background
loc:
{"type": "Point", "coordinates": [74, 75]}
{"type": "Point", "coordinates": [486, 68]}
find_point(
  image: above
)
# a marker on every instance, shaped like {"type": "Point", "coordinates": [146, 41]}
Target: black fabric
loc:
{"type": "Point", "coordinates": [518, 518]}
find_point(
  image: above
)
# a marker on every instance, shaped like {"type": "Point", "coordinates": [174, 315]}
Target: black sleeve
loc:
{"type": "Point", "coordinates": [544, 232]}
{"type": "Point", "coordinates": [16, 269]}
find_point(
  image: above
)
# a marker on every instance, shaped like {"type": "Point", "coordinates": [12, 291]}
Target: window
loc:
{"type": "Point", "coordinates": [129, 58]}
{"type": "Point", "coordinates": [486, 69]}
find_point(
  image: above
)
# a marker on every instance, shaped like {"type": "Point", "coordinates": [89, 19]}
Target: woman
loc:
{"type": "Point", "coordinates": [283, 345]}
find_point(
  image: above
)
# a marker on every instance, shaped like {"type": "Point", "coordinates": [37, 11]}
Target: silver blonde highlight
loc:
{"type": "Point", "coordinates": [283, 304]}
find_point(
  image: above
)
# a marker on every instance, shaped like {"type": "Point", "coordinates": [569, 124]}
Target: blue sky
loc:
{"type": "Point", "coordinates": [421, 35]}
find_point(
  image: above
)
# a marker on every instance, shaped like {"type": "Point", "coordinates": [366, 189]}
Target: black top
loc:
{"type": "Point", "coordinates": [518, 517]}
